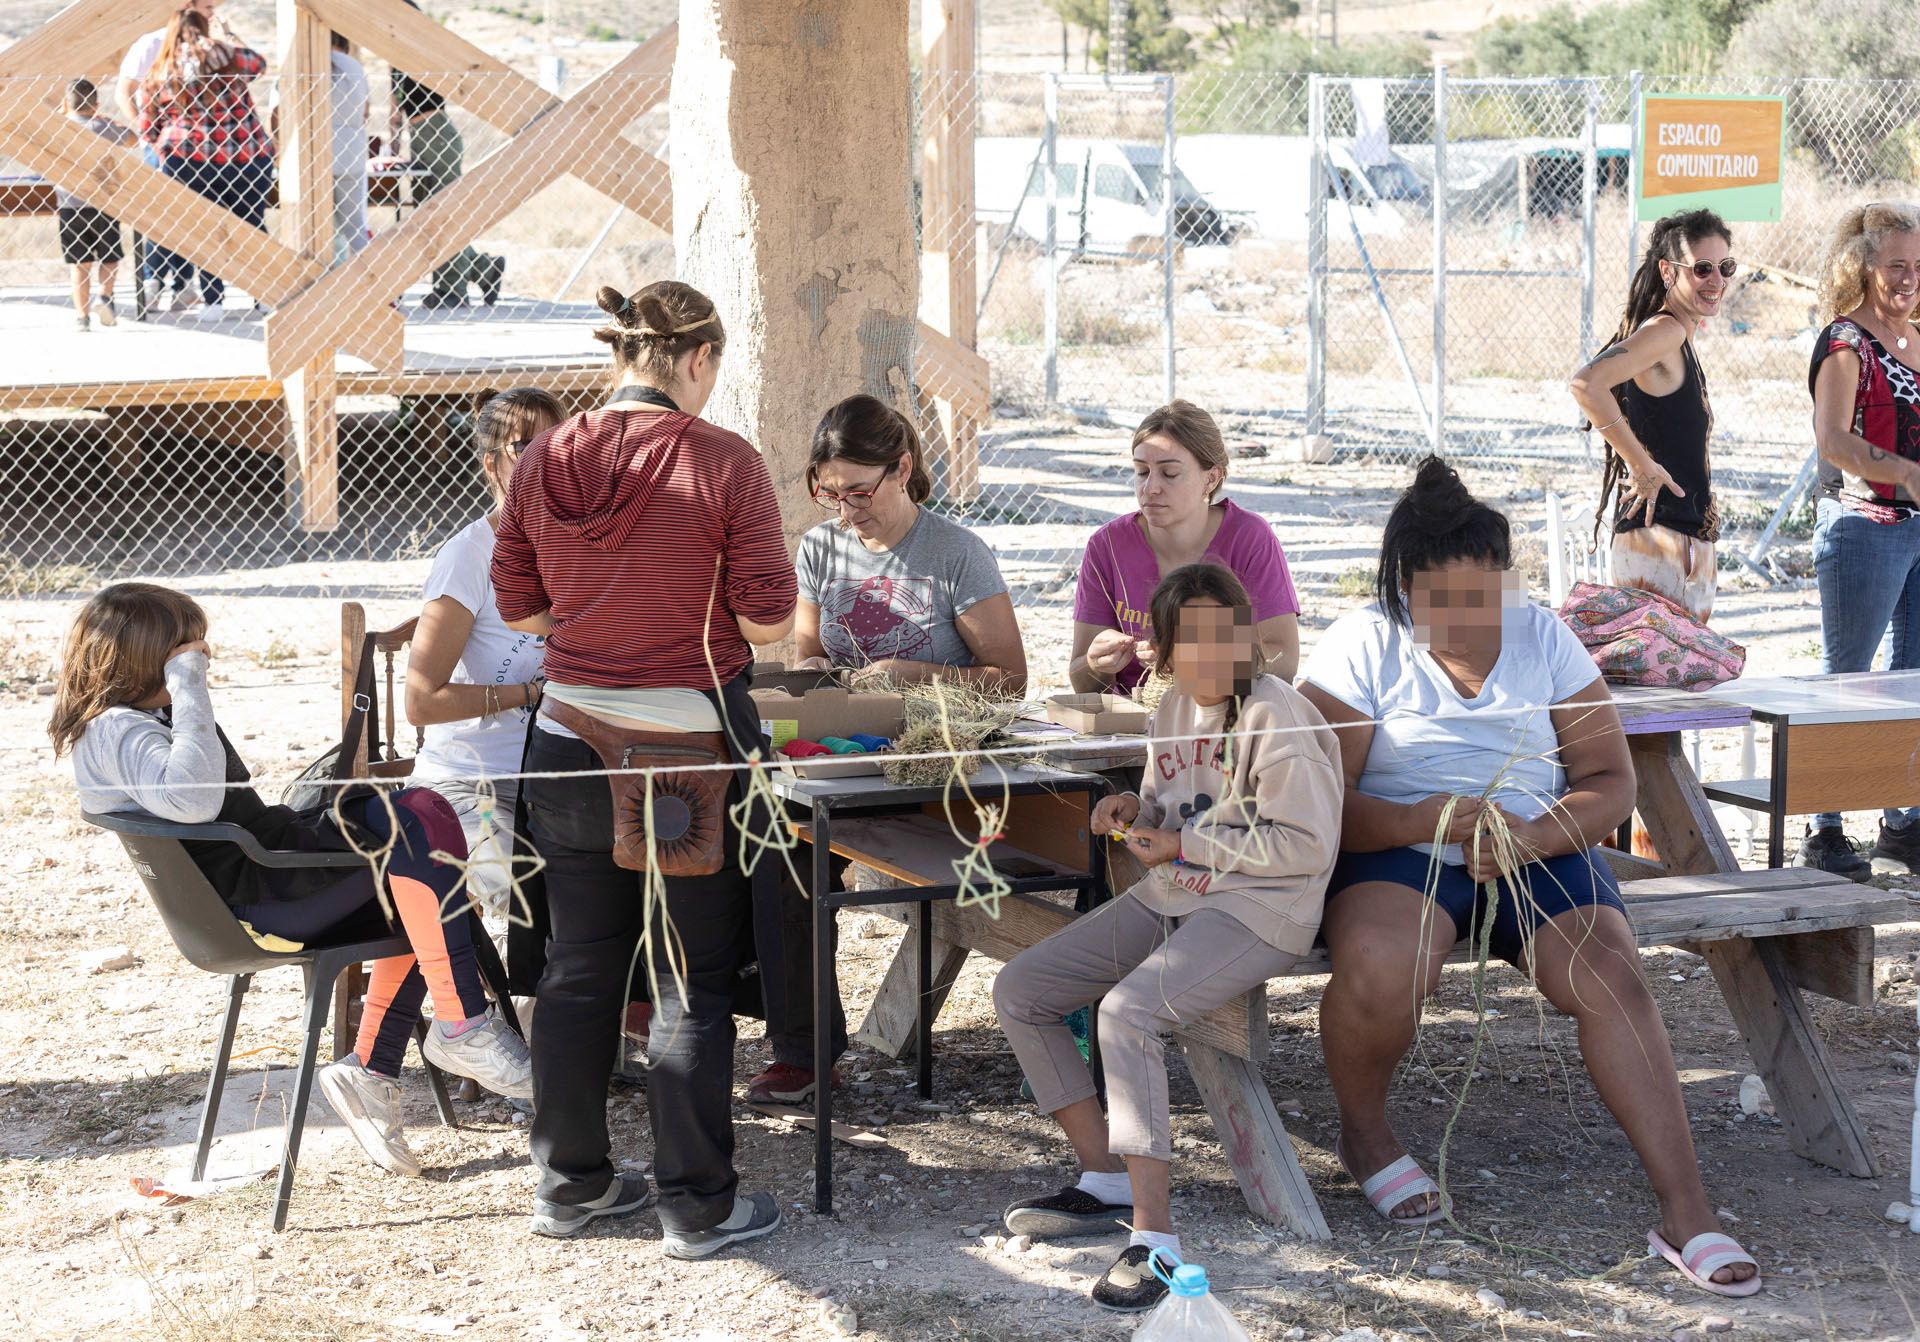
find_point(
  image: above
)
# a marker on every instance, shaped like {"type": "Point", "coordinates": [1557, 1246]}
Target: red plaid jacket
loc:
{"type": "Point", "coordinates": [211, 120]}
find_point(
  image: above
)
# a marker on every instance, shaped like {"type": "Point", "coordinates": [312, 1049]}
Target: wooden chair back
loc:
{"type": "Point", "coordinates": [377, 748]}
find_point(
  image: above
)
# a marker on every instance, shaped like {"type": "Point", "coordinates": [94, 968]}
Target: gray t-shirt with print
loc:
{"type": "Point", "coordinates": [900, 602]}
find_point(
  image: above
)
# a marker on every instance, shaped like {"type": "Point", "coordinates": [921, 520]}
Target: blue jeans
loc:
{"type": "Point", "coordinates": [156, 262]}
{"type": "Point", "coordinates": [237, 187]}
{"type": "Point", "coordinates": [1869, 587]}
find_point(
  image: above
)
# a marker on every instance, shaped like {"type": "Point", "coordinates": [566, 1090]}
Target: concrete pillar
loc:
{"type": "Point", "coordinates": [791, 209]}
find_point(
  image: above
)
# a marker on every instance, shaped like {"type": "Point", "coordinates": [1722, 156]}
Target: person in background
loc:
{"type": "Point", "coordinates": [347, 100]}
{"type": "Point", "coordinates": [645, 544]}
{"type": "Point", "coordinates": [133, 707]}
{"type": "Point", "coordinates": [472, 682]}
{"type": "Point", "coordinates": [1179, 467]}
{"type": "Point", "coordinates": [160, 270]}
{"type": "Point", "coordinates": [90, 238]}
{"type": "Point", "coordinates": [435, 146]}
{"type": "Point", "coordinates": [891, 592]}
{"type": "Point", "coordinates": [1464, 711]}
{"type": "Point", "coordinates": [1865, 380]}
{"type": "Point", "coordinates": [199, 116]}
{"type": "Point", "coordinates": [1647, 394]}
{"type": "Point", "coordinates": [1238, 827]}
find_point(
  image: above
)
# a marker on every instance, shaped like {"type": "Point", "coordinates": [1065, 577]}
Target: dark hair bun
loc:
{"type": "Point", "coordinates": [611, 300]}
{"type": "Point", "coordinates": [1438, 493]}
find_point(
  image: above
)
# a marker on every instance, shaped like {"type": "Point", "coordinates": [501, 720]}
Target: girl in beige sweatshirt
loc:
{"type": "Point", "coordinates": [1238, 825]}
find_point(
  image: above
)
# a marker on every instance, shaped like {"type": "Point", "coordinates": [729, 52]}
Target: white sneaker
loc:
{"type": "Point", "coordinates": [208, 312]}
{"type": "Point", "coordinates": [185, 299]}
{"type": "Point", "coordinates": [150, 294]}
{"type": "Point", "coordinates": [491, 1054]}
{"type": "Point", "coordinates": [103, 311]}
{"type": "Point", "coordinates": [370, 1105]}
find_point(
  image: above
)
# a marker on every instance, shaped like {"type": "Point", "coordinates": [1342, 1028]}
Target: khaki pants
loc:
{"type": "Point", "coordinates": [1149, 974]}
{"type": "Point", "coordinates": [1668, 563]}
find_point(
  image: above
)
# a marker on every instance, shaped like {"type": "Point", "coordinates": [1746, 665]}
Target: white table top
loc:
{"type": "Point", "coordinates": [1864, 696]}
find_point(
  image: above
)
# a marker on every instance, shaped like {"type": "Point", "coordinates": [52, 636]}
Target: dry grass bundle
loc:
{"type": "Point", "coordinates": [1150, 691]}
{"type": "Point", "coordinates": [950, 720]}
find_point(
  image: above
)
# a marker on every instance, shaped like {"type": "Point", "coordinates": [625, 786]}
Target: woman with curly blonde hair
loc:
{"type": "Point", "coordinates": [1865, 380]}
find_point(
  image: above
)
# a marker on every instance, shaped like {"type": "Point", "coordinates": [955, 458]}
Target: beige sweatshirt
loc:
{"type": "Point", "coordinates": [1258, 810]}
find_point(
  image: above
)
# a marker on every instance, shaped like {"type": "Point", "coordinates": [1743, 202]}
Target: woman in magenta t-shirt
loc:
{"type": "Point", "coordinates": [1179, 464]}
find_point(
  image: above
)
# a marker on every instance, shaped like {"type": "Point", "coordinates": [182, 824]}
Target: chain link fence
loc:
{"type": "Point", "coordinates": [1358, 260]}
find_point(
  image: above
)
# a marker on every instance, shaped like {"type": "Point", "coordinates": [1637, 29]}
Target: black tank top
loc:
{"type": "Point", "coordinates": [1675, 430]}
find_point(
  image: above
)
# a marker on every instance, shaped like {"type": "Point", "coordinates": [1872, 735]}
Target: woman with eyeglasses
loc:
{"type": "Point", "coordinates": [892, 592]}
{"type": "Point", "coordinates": [1647, 395]}
{"type": "Point", "coordinates": [887, 588]}
{"type": "Point", "coordinates": [473, 683]}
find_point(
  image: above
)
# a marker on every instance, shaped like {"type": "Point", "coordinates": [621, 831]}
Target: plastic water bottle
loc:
{"type": "Point", "coordinates": [1189, 1313]}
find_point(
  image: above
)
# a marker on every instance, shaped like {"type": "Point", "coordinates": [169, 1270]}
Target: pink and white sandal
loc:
{"type": "Point", "coordinates": [1392, 1185]}
{"type": "Point", "coordinates": [1705, 1255]}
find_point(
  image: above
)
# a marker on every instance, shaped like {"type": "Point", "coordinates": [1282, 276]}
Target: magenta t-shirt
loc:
{"type": "Point", "coordinates": [1119, 573]}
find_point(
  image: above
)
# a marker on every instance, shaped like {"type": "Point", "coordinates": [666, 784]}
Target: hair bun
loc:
{"type": "Point", "coordinates": [612, 301]}
{"type": "Point", "coordinates": [1437, 490]}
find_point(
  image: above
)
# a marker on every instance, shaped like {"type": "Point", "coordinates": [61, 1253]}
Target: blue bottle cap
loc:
{"type": "Point", "coordinates": [1189, 1279]}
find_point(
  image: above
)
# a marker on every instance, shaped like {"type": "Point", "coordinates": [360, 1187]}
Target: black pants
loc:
{"type": "Point", "coordinates": [596, 911]}
{"type": "Point", "coordinates": [790, 995]}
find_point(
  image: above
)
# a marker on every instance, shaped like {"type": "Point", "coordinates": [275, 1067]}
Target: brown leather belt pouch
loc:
{"type": "Point", "coordinates": [688, 820]}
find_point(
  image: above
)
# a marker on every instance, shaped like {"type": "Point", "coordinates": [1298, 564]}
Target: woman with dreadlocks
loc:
{"type": "Point", "coordinates": [1647, 395]}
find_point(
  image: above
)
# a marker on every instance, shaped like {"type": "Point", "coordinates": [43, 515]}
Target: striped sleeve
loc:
{"type": "Point", "coordinates": [518, 592]}
{"type": "Point", "coordinates": [760, 581]}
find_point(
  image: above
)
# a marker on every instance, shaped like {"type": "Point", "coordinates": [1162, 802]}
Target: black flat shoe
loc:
{"type": "Point", "coordinates": [1068, 1214]}
{"type": "Point", "coordinates": [1129, 1286]}
{"type": "Point", "coordinates": [1897, 851]}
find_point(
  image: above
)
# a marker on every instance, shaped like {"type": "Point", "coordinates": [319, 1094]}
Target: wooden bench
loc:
{"type": "Point", "coordinates": [1818, 930]}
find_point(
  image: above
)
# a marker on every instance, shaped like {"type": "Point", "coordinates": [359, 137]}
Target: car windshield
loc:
{"type": "Point", "coordinates": [1150, 178]}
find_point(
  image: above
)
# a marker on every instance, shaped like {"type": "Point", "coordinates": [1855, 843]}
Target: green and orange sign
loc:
{"type": "Point", "coordinates": [1721, 153]}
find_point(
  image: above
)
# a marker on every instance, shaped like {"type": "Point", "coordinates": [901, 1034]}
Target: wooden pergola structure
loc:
{"type": "Point", "coordinates": [318, 313]}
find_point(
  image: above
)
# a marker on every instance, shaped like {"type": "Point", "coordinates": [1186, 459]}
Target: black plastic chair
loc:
{"type": "Point", "coordinates": [211, 938]}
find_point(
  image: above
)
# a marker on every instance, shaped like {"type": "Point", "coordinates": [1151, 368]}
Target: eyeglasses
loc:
{"type": "Point", "coordinates": [1702, 269]}
{"type": "Point", "coordinates": [860, 500]}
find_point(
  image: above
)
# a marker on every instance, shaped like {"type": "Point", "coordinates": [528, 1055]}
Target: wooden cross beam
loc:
{"type": "Point", "coordinates": [503, 97]}
{"type": "Point", "coordinates": [321, 315]}
{"type": "Point", "coordinates": [120, 183]}
{"type": "Point", "coordinates": [85, 36]}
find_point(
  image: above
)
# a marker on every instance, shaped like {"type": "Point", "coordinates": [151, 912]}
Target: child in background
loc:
{"type": "Point", "coordinates": [88, 237]}
{"type": "Point", "coordinates": [1238, 826]}
{"type": "Point", "coordinates": [132, 705]}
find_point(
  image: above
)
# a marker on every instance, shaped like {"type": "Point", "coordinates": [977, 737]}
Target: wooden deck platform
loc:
{"type": "Point", "coordinates": [48, 364]}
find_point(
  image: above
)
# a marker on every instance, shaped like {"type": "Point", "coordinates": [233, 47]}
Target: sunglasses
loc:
{"type": "Point", "coordinates": [1702, 269]}
{"type": "Point", "coordinates": [860, 500]}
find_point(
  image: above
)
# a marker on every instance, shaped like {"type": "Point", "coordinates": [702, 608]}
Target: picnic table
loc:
{"type": "Point", "coordinates": [1768, 936]}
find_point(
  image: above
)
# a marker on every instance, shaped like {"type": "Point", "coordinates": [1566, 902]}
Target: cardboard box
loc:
{"type": "Point", "coordinates": [775, 676]}
{"type": "Point", "coordinates": [829, 712]}
{"type": "Point", "coordinates": [1098, 714]}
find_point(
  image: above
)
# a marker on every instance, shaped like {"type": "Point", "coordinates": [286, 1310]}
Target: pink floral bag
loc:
{"type": "Point", "coordinates": [1642, 638]}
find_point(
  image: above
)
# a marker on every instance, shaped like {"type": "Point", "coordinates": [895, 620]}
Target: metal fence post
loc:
{"type": "Point", "coordinates": [1316, 257]}
{"type": "Point", "coordinates": [1438, 433]}
{"type": "Point", "coordinates": [1589, 190]}
{"type": "Point", "coordinates": [1050, 257]}
{"type": "Point", "coordinates": [1168, 169]}
{"type": "Point", "coordinates": [1633, 174]}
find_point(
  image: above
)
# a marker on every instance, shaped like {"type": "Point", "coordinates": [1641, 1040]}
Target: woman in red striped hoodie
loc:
{"type": "Point", "coordinates": [645, 545]}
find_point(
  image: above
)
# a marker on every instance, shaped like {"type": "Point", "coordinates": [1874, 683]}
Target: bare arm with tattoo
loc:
{"type": "Point", "coordinates": [1833, 393]}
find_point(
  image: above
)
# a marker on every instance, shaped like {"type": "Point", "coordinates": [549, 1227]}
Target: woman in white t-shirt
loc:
{"type": "Point", "coordinates": [472, 683]}
{"type": "Point", "coordinates": [1453, 686]}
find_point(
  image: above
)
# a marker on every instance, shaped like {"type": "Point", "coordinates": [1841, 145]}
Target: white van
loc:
{"type": "Point", "coordinates": [1108, 195]}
